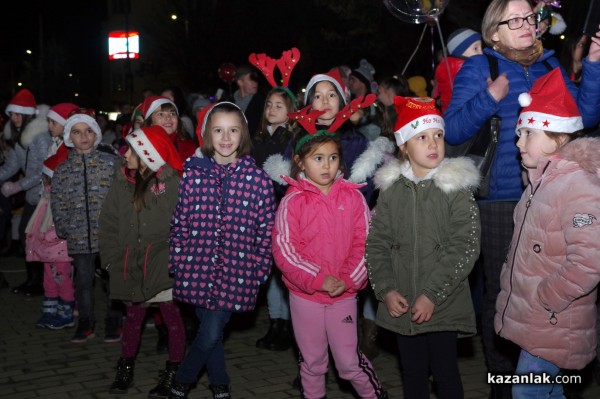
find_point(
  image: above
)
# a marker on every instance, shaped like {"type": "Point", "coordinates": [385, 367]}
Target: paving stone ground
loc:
{"type": "Point", "coordinates": [40, 363]}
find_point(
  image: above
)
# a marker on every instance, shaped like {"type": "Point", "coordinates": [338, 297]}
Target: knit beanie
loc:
{"type": "Point", "coordinates": [364, 73]}
{"type": "Point", "coordinates": [415, 114]}
{"type": "Point", "coordinates": [22, 103]}
{"type": "Point", "coordinates": [460, 40]}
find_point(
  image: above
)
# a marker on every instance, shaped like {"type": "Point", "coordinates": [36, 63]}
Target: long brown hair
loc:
{"type": "Point", "coordinates": [142, 181]}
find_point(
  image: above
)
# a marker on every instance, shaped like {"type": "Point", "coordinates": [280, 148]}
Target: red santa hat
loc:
{"type": "Point", "coordinates": [52, 162]}
{"type": "Point", "coordinates": [154, 146]}
{"type": "Point", "coordinates": [60, 112]}
{"type": "Point", "coordinates": [151, 103]}
{"type": "Point", "coordinates": [549, 106]}
{"type": "Point", "coordinates": [82, 115]}
{"type": "Point", "coordinates": [22, 103]}
{"type": "Point", "coordinates": [415, 114]}
{"type": "Point", "coordinates": [333, 77]}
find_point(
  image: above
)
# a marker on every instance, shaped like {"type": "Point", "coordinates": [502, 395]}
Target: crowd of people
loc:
{"type": "Point", "coordinates": [341, 201]}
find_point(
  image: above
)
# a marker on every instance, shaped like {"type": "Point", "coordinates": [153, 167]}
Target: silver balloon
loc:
{"type": "Point", "coordinates": [416, 11]}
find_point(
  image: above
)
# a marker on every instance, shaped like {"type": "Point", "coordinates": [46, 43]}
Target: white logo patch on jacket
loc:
{"type": "Point", "coordinates": [582, 219]}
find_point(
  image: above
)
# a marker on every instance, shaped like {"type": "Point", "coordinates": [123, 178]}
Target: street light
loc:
{"type": "Point", "coordinates": [28, 52]}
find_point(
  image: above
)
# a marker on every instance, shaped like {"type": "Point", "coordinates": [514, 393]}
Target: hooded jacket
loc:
{"type": "Point", "coordinates": [472, 105]}
{"type": "Point", "coordinates": [548, 283]}
{"type": "Point", "coordinates": [220, 240]}
{"type": "Point", "coordinates": [134, 246]}
{"type": "Point", "coordinates": [424, 239]}
{"type": "Point", "coordinates": [317, 235]}
{"type": "Point", "coordinates": [28, 155]}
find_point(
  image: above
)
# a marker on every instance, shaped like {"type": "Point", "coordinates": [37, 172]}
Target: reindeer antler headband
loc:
{"type": "Point", "coordinates": [287, 62]}
{"type": "Point", "coordinates": [308, 119]}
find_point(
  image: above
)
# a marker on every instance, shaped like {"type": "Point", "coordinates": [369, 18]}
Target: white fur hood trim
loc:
{"type": "Point", "coordinates": [366, 164]}
{"type": "Point", "coordinates": [453, 174]}
{"type": "Point", "coordinates": [37, 126]}
{"type": "Point", "coordinates": [276, 166]}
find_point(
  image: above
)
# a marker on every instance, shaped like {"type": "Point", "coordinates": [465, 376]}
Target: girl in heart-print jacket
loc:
{"type": "Point", "coordinates": [220, 247]}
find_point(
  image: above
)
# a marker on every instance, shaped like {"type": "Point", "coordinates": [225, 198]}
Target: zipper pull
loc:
{"type": "Point", "coordinates": [553, 318]}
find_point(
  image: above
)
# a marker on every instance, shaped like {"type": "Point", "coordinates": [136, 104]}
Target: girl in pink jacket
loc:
{"type": "Point", "coordinates": [319, 243]}
{"type": "Point", "coordinates": [548, 283]}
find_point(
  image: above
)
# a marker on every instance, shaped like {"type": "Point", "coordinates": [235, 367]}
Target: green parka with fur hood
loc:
{"type": "Point", "coordinates": [134, 247]}
{"type": "Point", "coordinates": [424, 239]}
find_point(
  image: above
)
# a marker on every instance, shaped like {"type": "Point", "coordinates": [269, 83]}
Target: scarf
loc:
{"type": "Point", "coordinates": [525, 57]}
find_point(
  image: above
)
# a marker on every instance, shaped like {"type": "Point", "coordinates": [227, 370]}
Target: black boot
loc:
{"type": "Point", "coordinates": [124, 378]}
{"type": "Point", "coordinates": [283, 340]}
{"type": "Point", "coordinates": [179, 391]}
{"type": "Point", "coordinates": [221, 391]}
{"type": "Point", "coordinates": [265, 342]}
{"type": "Point", "coordinates": [163, 338]}
{"type": "Point", "coordinates": [37, 279]}
{"type": "Point", "coordinates": [167, 376]}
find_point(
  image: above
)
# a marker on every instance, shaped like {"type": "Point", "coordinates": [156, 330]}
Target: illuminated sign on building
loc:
{"type": "Point", "coordinates": [117, 45]}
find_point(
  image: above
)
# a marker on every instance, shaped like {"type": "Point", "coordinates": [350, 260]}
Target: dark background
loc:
{"type": "Point", "coordinates": [70, 37]}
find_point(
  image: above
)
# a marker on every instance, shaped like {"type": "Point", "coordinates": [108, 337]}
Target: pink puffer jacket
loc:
{"type": "Point", "coordinates": [547, 302]}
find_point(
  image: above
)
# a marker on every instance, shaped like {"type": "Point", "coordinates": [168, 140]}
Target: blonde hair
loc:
{"type": "Point", "coordinates": [492, 17]}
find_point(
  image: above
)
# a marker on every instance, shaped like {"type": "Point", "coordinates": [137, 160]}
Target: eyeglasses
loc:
{"type": "Point", "coordinates": [517, 23]}
{"type": "Point", "coordinates": [165, 115]}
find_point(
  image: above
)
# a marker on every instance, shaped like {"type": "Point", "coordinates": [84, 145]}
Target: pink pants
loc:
{"type": "Point", "coordinates": [58, 281]}
{"type": "Point", "coordinates": [318, 327]}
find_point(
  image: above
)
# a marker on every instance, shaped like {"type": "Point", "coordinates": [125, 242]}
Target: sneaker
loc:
{"type": "Point", "coordinates": [113, 331]}
{"type": "Point", "coordinates": [85, 331]}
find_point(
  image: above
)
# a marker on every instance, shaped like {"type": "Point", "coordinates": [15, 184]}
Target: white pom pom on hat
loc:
{"type": "Point", "coordinates": [524, 100]}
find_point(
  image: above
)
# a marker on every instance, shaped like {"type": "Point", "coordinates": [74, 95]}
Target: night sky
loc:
{"type": "Point", "coordinates": [73, 41]}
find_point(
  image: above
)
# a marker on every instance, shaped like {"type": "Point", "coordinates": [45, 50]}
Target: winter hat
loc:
{"type": "Point", "coordinates": [549, 106]}
{"type": "Point", "coordinates": [22, 103]}
{"type": "Point", "coordinates": [203, 117]}
{"type": "Point", "coordinates": [153, 102]}
{"type": "Point", "coordinates": [60, 112]}
{"type": "Point", "coordinates": [52, 162]}
{"type": "Point", "coordinates": [154, 146]}
{"type": "Point", "coordinates": [415, 114]}
{"type": "Point", "coordinates": [333, 77]}
{"type": "Point", "coordinates": [86, 116]}
{"type": "Point", "coordinates": [364, 73]}
{"type": "Point", "coordinates": [460, 40]}
{"type": "Point", "coordinates": [418, 85]}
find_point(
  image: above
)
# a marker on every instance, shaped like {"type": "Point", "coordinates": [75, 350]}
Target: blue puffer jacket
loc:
{"type": "Point", "coordinates": [472, 105]}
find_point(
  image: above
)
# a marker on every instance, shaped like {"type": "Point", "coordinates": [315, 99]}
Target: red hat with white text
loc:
{"type": "Point", "coordinates": [549, 106]}
{"type": "Point", "coordinates": [415, 114]}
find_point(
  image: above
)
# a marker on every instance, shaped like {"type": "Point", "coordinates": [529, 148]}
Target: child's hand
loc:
{"type": "Point", "coordinates": [340, 288]}
{"type": "Point", "coordinates": [422, 309]}
{"type": "Point", "coordinates": [396, 304]}
{"type": "Point", "coordinates": [330, 284]}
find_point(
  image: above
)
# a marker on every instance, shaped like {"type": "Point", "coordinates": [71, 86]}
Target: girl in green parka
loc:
{"type": "Point", "coordinates": [423, 243]}
{"type": "Point", "coordinates": [134, 234]}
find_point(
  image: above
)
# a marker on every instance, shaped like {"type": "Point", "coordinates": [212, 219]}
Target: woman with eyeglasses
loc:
{"type": "Point", "coordinates": [161, 111]}
{"type": "Point", "coordinates": [509, 30]}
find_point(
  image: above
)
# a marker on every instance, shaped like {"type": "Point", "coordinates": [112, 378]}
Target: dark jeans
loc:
{"type": "Point", "coordinates": [207, 349]}
{"type": "Point", "coordinates": [496, 233]}
{"type": "Point", "coordinates": [430, 352]}
{"type": "Point", "coordinates": [85, 271]}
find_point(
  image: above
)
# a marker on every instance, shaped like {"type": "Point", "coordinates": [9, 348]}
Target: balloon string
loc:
{"type": "Point", "coordinates": [415, 51]}
{"type": "Point", "coordinates": [445, 54]}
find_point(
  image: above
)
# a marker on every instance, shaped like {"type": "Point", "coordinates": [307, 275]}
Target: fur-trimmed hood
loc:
{"type": "Point", "coordinates": [585, 152]}
{"type": "Point", "coordinates": [363, 168]}
{"type": "Point", "coordinates": [453, 174]}
{"type": "Point", "coordinates": [36, 127]}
